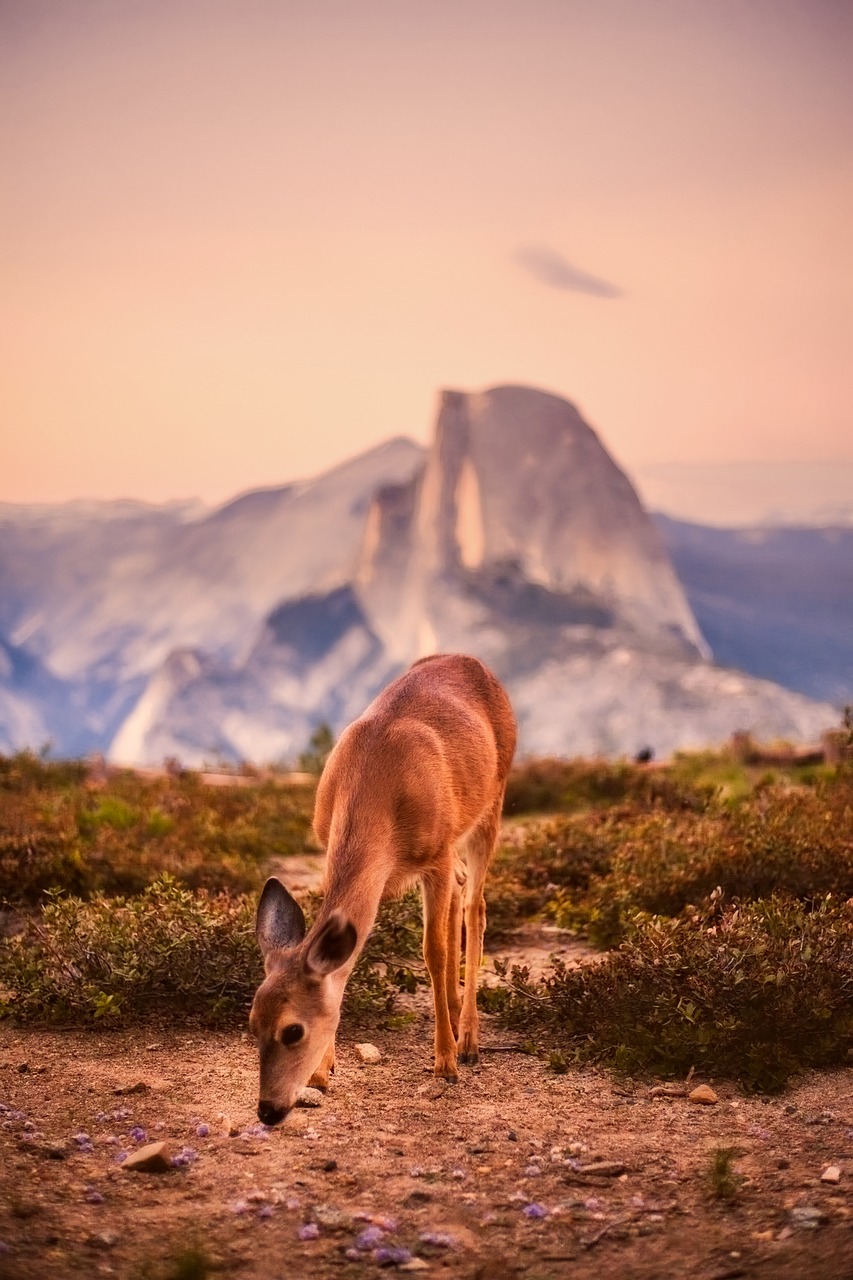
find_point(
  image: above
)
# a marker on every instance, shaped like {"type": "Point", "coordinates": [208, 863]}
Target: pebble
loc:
{"type": "Point", "coordinates": [155, 1157]}
{"type": "Point", "coordinates": [832, 1173]}
{"type": "Point", "coordinates": [309, 1098]}
{"type": "Point", "coordinates": [704, 1095]}
{"type": "Point", "coordinates": [331, 1218]}
{"type": "Point", "coordinates": [414, 1264]}
{"type": "Point", "coordinates": [104, 1239]}
{"type": "Point", "coordinates": [807, 1216]}
{"type": "Point", "coordinates": [604, 1168]}
{"type": "Point", "coordinates": [368, 1054]}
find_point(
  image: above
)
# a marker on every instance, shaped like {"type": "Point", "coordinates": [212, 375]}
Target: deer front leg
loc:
{"type": "Point", "coordinates": [437, 891]}
{"type": "Point", "coordinates": [320, 1078]}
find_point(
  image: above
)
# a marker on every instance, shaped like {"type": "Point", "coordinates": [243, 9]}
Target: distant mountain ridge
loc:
{"type": "Point", "coordinates": [231, 633]}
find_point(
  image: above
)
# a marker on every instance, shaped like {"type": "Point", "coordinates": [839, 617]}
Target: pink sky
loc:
{"type": "Point", "coordinates": [244, 239]}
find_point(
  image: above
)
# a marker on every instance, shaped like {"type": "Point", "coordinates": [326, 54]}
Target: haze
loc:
{"type": "Point", "coordinates": [244, 240]}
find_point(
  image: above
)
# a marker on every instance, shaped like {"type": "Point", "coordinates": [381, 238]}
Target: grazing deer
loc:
{"type": "Point", "coordinates": [421, 772]}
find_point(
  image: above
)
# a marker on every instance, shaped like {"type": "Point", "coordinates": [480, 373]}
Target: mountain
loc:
{"type": "Point", "coordinates": [775, 602]}
{"type": "Point", "coordinates": [517, 538]}
{"type": "Point", "coordinates": [100, 595]}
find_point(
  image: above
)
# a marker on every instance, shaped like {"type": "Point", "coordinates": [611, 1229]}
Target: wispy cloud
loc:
{"type": "Point", "coordinates": [551, 268]}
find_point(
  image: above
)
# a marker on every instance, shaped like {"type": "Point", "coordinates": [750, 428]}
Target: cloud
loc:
{"type": "Point", "coordinates": [551, 268]}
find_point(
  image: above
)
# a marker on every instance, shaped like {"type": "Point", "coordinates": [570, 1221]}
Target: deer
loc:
{"type": "Point", "coordinates": [411, 792]}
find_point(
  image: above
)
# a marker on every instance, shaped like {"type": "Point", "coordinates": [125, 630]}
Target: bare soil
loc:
{"type": "Point", "coordinates": [449, 1173]}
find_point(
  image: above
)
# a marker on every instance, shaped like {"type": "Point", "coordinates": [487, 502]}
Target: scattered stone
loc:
{"type": "Point", "coordinates": [832, 1173]}
{"type": "Point", "coordinates": [807, 1216]}
{"type": "Point", "coordinates": [123, 1090]}
{"type": "Point", "coordinates": [512, 1136]}
{"type": "Point", "coordinates": [331, 1166]}
{"type": "Point", "coordinates": [414, 1264]}
{"type": "Point", "coordinates": [704, 1095]}
{"type": "Point", "coordinates": [155, 1157]}
{"type": "Point", "coordinates": [331, 1218]}
{"type": "Point", "coordinates": [104, 1239]}
{"type": "Point", "coordinates": [308, 1097]}
{"type": "Point", "coordinates": [368, 1054]}
{"type": "Point", "coordinates": [603, 1168]}
{"type": "Point", "coordinates": [227, 1126]}
{"type": "Point", "coordinates": [668, 1091]}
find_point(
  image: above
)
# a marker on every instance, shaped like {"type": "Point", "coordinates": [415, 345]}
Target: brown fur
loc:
{"type": "Point", "coordinates": [412, 784]}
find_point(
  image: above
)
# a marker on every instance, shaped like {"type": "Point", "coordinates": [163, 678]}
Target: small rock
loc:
{"type": "Point", "coordinates": [604, 1168]}
{"type": "Point", "coordinates": [368, 1054]}
{"type": "Point", "coordinates": [807, 1216]}
{"type": "Point", "coordinates": [704, 1095]}
{"type": "Point", "coordinates": [331, 1166]}
{"type": "Point", "coordinates": [331, 1218]}
{"type": "Point", "coordinates": [104, 1239]}
{"type": "Point", "coordinates": [155, 1157]}
{"type": "Point", "coordinates": [309, 1098]}
{"type": "Point", "coordinates": [227, 1126]}
{"type": "Point", "coordinates": [414, 1264]}
{"type": "Point", "coordinates": [832, 1173]}
{"type": "Point", "coordinates": [123, 1090]}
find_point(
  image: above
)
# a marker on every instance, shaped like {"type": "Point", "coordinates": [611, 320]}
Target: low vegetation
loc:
{"type": "Point", "coordinates": [60, 831]}
{"type": "Point", "coordinates": [721, 888]}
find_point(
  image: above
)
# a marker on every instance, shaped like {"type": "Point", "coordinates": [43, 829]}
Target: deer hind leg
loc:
{"type": "Point", "coordinates": [480, 845]}
{"type": "Point", "coordinates": [320, 1078]}
{"type": "Point", "coordinates": [454, 947]}
{"type": "Point", "coordinates": [438, 891]}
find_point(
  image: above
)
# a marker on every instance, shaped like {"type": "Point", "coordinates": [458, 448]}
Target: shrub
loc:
{"type": "Point", "coordinates": [550, 785]}
{"type": "Point", "coordinates": [113, 960]}
{"type": "Point", "coordinates": [795, 842]}
{"type": "Point", "coordinates": [56, 832]}
{"type": "Point", "coordinates": [764, 990]}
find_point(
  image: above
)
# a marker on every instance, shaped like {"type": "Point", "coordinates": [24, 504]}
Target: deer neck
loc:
{"type": "Point", "coordinates": [359, 863]}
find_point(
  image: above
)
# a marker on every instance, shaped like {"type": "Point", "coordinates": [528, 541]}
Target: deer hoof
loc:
{"type": "Point", "coordinates": [468, 1050]}
{"type": "Point", "coordinates": [447, 1071]}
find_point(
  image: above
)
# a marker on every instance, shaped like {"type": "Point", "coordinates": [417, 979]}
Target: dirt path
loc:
{"type": "Point", "coordinates": [450, 1174]}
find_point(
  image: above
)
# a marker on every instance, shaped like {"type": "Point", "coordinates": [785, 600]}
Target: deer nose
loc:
{"type": "Point", "coordinates": [269, 1113]}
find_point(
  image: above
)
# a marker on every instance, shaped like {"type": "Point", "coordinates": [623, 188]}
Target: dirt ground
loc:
{"type": "Point", "coordinates": [485, 1179]}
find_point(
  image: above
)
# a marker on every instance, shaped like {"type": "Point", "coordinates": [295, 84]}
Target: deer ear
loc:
{"type": "Point", "coordinates": [331, 946]}
{"type": "Point", "coordinates": [279, 922]}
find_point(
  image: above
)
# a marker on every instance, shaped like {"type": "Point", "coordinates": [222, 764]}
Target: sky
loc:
{"type": "Point", "coordinates": [241, 240]}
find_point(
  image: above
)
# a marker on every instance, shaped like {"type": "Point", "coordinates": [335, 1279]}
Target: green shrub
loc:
{"type": "Point", "coordinates": [550, 785]}
{"type": "Point", "coordinates": [58, 832]}
{"type": "Point", "coordinates": [764, 990]}
{"type": "Point", "coordinates": [797, 842]}
{"type": "Point", "coordinates": [114, 960]}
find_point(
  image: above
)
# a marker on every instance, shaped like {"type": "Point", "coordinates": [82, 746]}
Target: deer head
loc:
{"type": "Point", "coordinates": [296, 1009]}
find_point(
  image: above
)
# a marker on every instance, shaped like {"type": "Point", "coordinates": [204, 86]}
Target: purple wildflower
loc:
{"type": "Point", "coordinates": [391, 1257]}
{"type": "Point", "coordinates": [369, 1239]}
{"type": "Point", "coordinates": [438, 1239]}
{"type": "Point", "coordinates": [93, 1196]}
{"type": "Point", "coordinates": [138, 1134]}
{"type": "Point", "coordinates": [203, 1131]}
{"type": "Point", "coordinates": [309, 1231]}
{"type": "Point", "coordinates": [535, 1211]}
{"type": "Point", "coordinates": [240, 1206]}
{"type": "Point", "coordinates": [265, 1211]}
{"type": "Point", "coordinates": [184, 1157]}
{"type": "Point", "coordinates": [122, 1156]}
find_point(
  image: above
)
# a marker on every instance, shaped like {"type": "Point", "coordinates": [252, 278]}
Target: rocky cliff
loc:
{"type": "Point", "coordinates": [230, 634]}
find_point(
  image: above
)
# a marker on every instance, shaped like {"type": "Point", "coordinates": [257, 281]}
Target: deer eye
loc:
{"type": "Point", "coordinates": [292, 1033]}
